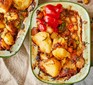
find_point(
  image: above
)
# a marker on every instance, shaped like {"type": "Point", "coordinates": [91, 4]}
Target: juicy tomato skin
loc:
{"type": "Point", "coordinates": [50, 10]}
{"type": "Point", "coordinates": [51, 21]}
{"type": "Point", "coordinates": [70, 26]}
{"type": "Point", "coordinates": [58, 8]}
{"type": "Point", "coordinates": [42, 27]}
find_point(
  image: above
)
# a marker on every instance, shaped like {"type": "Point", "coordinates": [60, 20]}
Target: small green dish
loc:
{"type": "Point", "coordinates": [86, 36]}
{"type": "Point", "coordinates": [20, 37]}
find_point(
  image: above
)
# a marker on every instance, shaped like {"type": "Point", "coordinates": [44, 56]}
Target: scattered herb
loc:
{"type": "Point", "coordinates": [62, 26]}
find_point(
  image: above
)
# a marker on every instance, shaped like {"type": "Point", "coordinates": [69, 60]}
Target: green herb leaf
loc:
{"type": "Point", "coordinates": [62, 26]}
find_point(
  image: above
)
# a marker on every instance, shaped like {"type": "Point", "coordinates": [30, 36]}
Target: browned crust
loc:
{"type": "Point", "coordinates": [5, 5]}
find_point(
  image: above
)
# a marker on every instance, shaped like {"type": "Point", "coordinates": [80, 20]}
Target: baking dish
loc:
{"type": "Point", "coordinates": [20, 36]}
{"type": "Point", "coordinates": [86, 37]}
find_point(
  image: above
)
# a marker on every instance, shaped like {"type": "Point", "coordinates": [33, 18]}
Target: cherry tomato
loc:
{"type": "Point", "coordinates": [51, 21]}
{"type": "Point", "coordinates": [58, 8]}
{"type": "Point", "coordinates": [40, 20]}
{"type": "Point", "coordinates": [42, 27]}
{"type": "Point", "coordinates": [50, 10]}
{"type": "Point", "coordinates": [70, 27]}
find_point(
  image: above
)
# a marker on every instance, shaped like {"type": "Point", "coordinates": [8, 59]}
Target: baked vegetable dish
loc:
{"type": "Point", "coordinates": [57, 46]}
{"type": "Point", "coordinates": [12, 15]}
{"type": "Point", "coordinates": [59, 41]}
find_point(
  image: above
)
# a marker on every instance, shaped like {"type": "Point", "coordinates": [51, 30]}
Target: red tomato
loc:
{"type": "Point", "coordinates": [40, 20]}
{"type": "Point", "coordinates": [42, 27]}
{"type": "Point", "coordinates": [51, 21]}
{"type": "Point", "coordinates": [70, 26]}
{"type": "Point", "coordinates": [58, 8]}
{"type": "Point", "coordinates": [50, 10]}
{"type": "Point", "coordinates": [55, 29]}
{"type": "Point", "coordinates": [59, 21]}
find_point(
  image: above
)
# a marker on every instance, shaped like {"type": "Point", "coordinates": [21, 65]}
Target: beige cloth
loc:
{"type": "Point", "coordinates": [16, 70]}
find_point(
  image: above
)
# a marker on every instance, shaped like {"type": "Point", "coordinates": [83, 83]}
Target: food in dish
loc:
{"type": "Point", "coordinates": [5, 5]}
{"type": "Point", "coordinates": [57, 42]}
{"type": "Point", "coordinates": [22, 4]}
{"type": "Point", "coordinates": [86, 1]}
{"type": "Point", "coordinates": [11, 21]}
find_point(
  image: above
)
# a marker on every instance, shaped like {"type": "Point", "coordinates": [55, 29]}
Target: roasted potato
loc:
{"type": "Point", "coordinates": [63, 62]}
{"type": "Point", "coordinates": [54, 35]}
{"type": "Point", "coordinates": [8, 38]}
{"type": "Point", "coordinates": [10, 27]}
{"type": "Point", "coordinates": [60, 53]}
{"type": "Point", "coordinates": [3, 45]}
{"type": "Point", "coordinates": [22, 4]}
{"type": "Point", "coordinates": [11, 15]}
{"type": "Point", "coordinates": [51, 67]}
{"type": "Point", "coordinates": [5, 5]}
{"type": "Point", "coordinates": [49, 29]}
{"type": "Point", "coordinates": [43, 56]}
{"type": "Point", "coordinates": [3, 33]}
{"type": "Point", "coordinates": [2, 25]}
{"type": "Point", "coordinates": [80, 62]}
{"type": "Point", "coordinates": [86, 1]}
{"type": "Point", "coordinates": [69, 64]}
{"type": "Point", "coordinates": [69, 69]}
{"type": "Point", "coordinates": [42, 39]}
{"type": "Point", "coordinates": [59, 40]}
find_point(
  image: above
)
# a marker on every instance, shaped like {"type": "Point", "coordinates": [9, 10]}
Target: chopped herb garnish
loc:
{"type": "Point", "coordinates": [62, 26]}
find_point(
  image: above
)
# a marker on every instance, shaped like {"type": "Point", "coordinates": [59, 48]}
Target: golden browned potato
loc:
{"type": "Point", "coordinates": [3, 33]}
{"type": "Point", "coordinates": [8, 38]}
{"type": "Point", "coordinates": [73, 19]}
{"type": "Point", "coordinates": [69, 69]}
{"type": "Point", "coordinates": [42, 39]}
{"type": "Point", "coordinates": [11, 15]}
{"type": "Point", "coordinates": [51, 67]}
{"type": "Point", "coordinates": [2, 25]}
{"type": "Point", "coordinates": [69, 64]}
{"type": "Point", "coordinates": [86, 1]}
{"type": "Point", "coordinates": [54, 35]}
{"type": "Point", "coordinates": [22, 4]}
{"type": "Point", "coordinates": [43, 56]}
{"type": "Point", "coordinates": [80, 63]}
{"type": "Point", "coordinates": [3, 45]}
{"type": "Point", "coordinates": [5, 5]}
{"type": "Point", "coordinates": [10, 27]}
{"type": "Point", "coordinates": [59, 40]}
{"type": "Point", "coordinates": [49, 29]}
{"type": "Point", "coordinates": [63, 62]}
{"type": "Point", "coordinates": [60, 53]}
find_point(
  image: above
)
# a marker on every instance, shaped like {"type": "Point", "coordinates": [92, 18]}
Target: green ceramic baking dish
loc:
{"type": "Point", "coordinates": [86, 37]}
{"type": "Point", "coordinates": [20, 36]}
